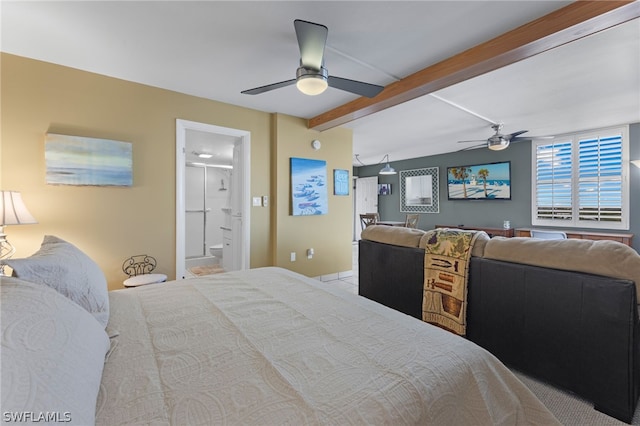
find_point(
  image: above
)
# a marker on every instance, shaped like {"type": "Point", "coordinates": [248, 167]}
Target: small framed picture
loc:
{"type": "Point", "coordinates": [340, 182]}
{"type": "Point", "coordinates": [384, 188]}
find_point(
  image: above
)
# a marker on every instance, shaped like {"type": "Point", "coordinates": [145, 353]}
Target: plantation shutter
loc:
{"type": "Point", "coordinates": [579, 180]}
{"type": "Point", "coordinates": [600, 179]}
{"type": "Point", "coordinates": [553, 177]}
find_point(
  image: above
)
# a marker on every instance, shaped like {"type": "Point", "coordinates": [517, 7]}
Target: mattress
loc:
{"type": "Point", "coordinates": [268, 346]}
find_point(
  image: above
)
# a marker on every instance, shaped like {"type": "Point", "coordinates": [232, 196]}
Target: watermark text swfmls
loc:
{"type": "Point", "coordinates": [34, 417]}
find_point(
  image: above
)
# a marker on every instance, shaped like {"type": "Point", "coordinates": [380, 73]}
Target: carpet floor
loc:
{"type": "Point", "coordinates": [569, 409]}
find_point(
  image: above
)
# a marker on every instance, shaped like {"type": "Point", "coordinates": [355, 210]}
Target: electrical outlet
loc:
{"type": "Point", "coordinates": [310, 253]}
{"type": "Point", "coordinates": [265, 200]}
{"type": "Point", "coordinates": [293, 256]}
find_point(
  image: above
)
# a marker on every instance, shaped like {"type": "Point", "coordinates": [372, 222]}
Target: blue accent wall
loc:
{"type": "Point", "coordinates": [490, 213]}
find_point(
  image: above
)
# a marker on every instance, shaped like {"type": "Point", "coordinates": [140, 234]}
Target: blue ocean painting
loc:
{"type": "Point", "coordinates": [76, 160]}
{"type": "Point", "coordinates": [309, 187]}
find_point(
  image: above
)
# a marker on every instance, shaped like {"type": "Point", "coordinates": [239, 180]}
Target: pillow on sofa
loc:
{"type": "Point", "coordinates": [603, 257]}
{"type": "Point", "coordinates": [396, 235]}
{"type": "Point", "coordinates": [62, 266]}
{"type": "Point", "coordinates": [53, 355]}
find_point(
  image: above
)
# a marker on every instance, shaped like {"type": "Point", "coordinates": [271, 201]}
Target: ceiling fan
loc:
{"type": "Point", "coordinates": [312, 78]}
{"type": "Point", "coordinates": [499, 141]}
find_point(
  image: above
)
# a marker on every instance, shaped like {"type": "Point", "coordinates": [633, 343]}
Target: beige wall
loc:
{"type": "Point", "coordinates": [110, 224]}
{"type": "Point", "coordinates": [329, 235]}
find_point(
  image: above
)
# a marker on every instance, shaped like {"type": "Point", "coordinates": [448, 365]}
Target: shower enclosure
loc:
{"type": "Point", "coordinates": [207, 200]}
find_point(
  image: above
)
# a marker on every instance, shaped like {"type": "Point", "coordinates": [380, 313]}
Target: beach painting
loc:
{"type": "Point", "coordinates": [480, 182]}
{"type": "Point", "coordinates": [308, 187]}
{"type": "Point", "coordinates": [77, 160]}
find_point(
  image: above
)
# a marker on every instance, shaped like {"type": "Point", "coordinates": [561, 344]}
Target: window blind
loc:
{"type": "Point", "coordinates": [553, 177]}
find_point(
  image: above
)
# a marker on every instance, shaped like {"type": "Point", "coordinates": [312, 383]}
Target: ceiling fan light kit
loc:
{"type": "Point", "coordinates": [497, 143]}
{"type": "Point", "coordinates": [311, 82]}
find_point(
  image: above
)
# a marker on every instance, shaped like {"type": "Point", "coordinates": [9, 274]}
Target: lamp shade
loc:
{"type": "Point", "coordinates": [12, 209]}
{"type": "Point", "coordinates": [387, 170]}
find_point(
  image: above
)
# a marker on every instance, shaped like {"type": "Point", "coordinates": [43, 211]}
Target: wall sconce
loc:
{"type": "Point", "coordinates": [12, 212]}
{"type": "Point", "coordinates": [635, 163]}
{"type": "Point", "coordinates": [387, 170]}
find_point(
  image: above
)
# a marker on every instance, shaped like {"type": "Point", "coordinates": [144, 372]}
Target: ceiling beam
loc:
{"type": "Point", "coordinates": [572, 22]}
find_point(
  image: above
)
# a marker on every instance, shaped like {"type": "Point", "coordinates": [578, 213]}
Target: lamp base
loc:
{"type": "Point", "coordinates": [6, 250]}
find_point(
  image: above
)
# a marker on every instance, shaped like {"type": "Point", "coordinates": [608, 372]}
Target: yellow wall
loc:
{"type": "Point", "coordinates": [110, 224]}
{"type": "Point", "coordinates": [329, 235]}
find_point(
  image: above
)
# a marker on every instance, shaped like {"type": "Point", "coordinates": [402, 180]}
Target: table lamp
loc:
{"type": "Point", "coordinates": [12, 212]}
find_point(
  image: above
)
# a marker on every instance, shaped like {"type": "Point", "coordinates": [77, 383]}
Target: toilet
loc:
{"type": "Point", "coordinates": [216, 251]}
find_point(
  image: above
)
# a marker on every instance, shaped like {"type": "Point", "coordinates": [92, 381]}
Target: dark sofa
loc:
{"type": "Point", "coordinates": [575, 330]}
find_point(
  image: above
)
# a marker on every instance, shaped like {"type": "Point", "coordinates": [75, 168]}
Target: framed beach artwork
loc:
{"type": "Point", "coordinates": [340, 182]}
{"type": "Point", "coordinates": [419, 191]}
{"type": "Point", "coordinates": [77, 160]}
{"type": "Point", "coordinates": [490, 181]}
{"type": "Point", "coordinates": [308, 187]}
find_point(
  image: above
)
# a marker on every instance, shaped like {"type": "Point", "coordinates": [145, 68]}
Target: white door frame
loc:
{"type": "Point", "coordinates": [181, 136]}
{"type": "Point", "coordinates": [365, 200]}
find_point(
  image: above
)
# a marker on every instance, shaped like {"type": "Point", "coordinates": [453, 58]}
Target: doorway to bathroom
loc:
{"type": "Point", "coordinates": [212, 214]}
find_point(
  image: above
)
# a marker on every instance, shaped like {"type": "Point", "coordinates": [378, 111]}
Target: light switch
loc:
{"type": "Point", "coordinates": [257, 201]}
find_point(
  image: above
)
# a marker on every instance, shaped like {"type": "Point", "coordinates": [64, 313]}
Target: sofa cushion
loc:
{"type": "Point", "coordinates": [607, 258]}
{"type": "Point", "coordinates": [396, 235]}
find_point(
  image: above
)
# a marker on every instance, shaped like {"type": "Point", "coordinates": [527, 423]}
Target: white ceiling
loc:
{"type": "Point", "coordinates": [216, 49]}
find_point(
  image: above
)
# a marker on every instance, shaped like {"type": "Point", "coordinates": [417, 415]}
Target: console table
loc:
{"type": "Point", "coordinates": [492, 232]}
{"type": "Point", "coordinates": [623, 238]}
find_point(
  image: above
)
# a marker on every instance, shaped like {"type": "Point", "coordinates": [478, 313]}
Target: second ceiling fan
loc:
{"type": "Point", "coordinates": [500, 141]}
{"type": "Point", "coordinates": [312, 78]}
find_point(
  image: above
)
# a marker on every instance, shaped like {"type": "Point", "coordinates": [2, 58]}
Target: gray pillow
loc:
{"type": "Point", "coordinates": [62, 266]}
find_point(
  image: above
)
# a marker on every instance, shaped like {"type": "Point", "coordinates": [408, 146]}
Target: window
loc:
{"type": "Point", "coordinates": [580, 180]}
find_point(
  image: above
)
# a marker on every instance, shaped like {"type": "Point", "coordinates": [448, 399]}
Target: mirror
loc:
{"type": "Point", "coordinates": [419, 191]}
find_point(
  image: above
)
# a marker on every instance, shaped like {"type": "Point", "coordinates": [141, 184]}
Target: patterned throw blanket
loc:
{"type": "Point", "coordinates": [446, 267]}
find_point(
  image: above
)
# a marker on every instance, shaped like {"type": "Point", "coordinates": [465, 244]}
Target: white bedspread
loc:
{"type": "Point", "coordinates": [271, 347]}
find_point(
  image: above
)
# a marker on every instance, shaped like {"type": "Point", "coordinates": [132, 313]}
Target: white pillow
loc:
{"type": "Point", "coordinates": [64, 267]}
{"type": "Point", "coordinates": [53, 355]}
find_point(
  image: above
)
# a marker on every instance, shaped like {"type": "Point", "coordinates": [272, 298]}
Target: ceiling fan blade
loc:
{"type": "Point", "coordinates": [268, 87]}
{"type": "Point", "coordinates": [483, 145]}
{"type": "Point", "coordinates": [475, 140]}
{"type": "Point", "coordinates": [311, 41]}
{"type": "Point", "coordinates": [530, 138]}
{"type": "Point", "coordinates": [357, 87]}
{"type": "Point", "coordinates": [516, 134]}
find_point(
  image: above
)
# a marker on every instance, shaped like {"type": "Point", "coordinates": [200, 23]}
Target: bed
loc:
{"type": "Point", "coordinates": [263, 346]}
